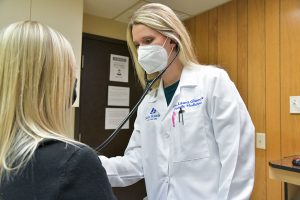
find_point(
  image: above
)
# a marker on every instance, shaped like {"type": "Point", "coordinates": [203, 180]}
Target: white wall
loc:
{"type": "Point", "coordinates": [13, 10]}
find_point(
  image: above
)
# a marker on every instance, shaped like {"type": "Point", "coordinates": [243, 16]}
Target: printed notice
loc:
{"type": "Point", "coordinates": [118, 96]}
{"type": "Point", "coordinates": [119, 66]}
{"type": "Point", "coordinates": [114, 116]}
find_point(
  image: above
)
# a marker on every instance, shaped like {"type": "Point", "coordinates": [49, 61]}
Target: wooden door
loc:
{"type": "Point", "coordinates": [90, 116]}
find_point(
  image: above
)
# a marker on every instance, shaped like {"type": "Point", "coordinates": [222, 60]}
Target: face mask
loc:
{"type": "Point", "coordinates": [153, 58]}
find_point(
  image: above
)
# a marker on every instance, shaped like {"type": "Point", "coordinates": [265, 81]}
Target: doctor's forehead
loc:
{"type": "Point", "coordinates": [140, 31]}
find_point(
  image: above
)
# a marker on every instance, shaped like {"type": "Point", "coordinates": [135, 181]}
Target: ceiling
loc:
{"type": "Point", "coordinates": [121, 10]}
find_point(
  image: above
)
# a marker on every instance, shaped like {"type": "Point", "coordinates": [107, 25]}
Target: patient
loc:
{"type": "Point", "coordinates": [37, 160]}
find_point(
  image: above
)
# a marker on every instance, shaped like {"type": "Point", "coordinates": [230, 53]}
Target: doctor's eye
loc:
{"type": "Point", "coordinates": [147, 40]}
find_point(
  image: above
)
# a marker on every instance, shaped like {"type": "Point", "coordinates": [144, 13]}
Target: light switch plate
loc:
{"type": "Point", "coordinates": [294, 104]}
{"type": "Point", "coordinates": [261, 140]}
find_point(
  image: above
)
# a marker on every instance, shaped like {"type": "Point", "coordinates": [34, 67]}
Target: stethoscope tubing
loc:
{"type": "Point", "coordinates": [134, 109]}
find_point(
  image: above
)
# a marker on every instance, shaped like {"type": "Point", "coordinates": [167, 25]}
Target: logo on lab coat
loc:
{"type": "Point", "coordinates": [153, 111]}
{"type": "Point", "coordinates": [152, 115]}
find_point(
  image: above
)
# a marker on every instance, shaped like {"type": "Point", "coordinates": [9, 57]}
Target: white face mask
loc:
{"type": "Point", "coordinates": [153, 58]}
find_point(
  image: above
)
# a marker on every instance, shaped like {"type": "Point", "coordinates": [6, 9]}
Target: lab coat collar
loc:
{"type": "Point", "coordinates": [188, 78]}
{"type": "Point", "coordinates": [153, 95]}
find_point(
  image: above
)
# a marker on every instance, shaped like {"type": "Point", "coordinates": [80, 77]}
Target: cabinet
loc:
{"type": "Point", "coordinates": [283, 170]}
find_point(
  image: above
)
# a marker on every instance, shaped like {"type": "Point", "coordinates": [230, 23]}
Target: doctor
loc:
{"type": "Point", "coordinates": [193, 137]}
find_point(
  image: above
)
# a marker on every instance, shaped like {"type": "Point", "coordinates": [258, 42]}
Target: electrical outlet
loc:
{"type": "Point", "coordinates": [261, 140]}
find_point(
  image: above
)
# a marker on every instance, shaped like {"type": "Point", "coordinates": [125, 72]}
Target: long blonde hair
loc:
{"type": "Point", "coordinates": [162, 19]}
{"type": "Point", "coordinates": [36, 80]}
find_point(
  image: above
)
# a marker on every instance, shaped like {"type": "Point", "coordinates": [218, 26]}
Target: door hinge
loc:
{"type": "Point", "coordinates": [79, 137]}
{"type": "Point", "coordinates": [82, 61]}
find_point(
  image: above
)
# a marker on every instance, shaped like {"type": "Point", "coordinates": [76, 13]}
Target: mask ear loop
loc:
{"type": "Point", "coordinates": [164, 46]}
{"type": "Point", "coordinates": [165, 41]}
{"type": "Point", "coordinates": [170, 52]}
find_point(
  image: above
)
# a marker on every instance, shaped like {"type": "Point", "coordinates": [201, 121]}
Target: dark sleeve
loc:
{"type": "Point", "coordinates": [84, 177]}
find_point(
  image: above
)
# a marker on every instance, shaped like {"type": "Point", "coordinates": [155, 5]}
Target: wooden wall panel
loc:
{"type": "Point", "coordinates": [227, 39]}
{"type": "Point", "coordinates": [290, 74]}
{"type": "Point", "coordinates": [190, 24]}
{"type": "Point", "coordinates": [258, 43]}
{"type": "Point", "coordinates": [201, 38]}
{"type": "Point", "coordinates": [242, 49]}
{"type": "Point", "coordinates": [213, 36]}
{"type": "Point", "coordinates": [256, 85]}
{"type": "Point", "coordinates": [272, 93]}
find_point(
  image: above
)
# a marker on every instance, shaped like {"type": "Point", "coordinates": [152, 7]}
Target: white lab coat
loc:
{"type": "Point", "coordinates": [208, 156]}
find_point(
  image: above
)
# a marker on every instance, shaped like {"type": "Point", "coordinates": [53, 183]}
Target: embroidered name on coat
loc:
{"type": "Point", "coordinates": [188, 104]}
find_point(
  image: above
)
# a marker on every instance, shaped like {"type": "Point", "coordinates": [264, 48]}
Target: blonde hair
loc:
{"type": "Point", "coordinates": [36, 80]}
{"type": "Point", "coordinates": [162, 19]}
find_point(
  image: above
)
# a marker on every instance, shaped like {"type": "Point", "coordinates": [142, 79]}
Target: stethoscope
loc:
{"type": "Point", "coordinates": [149, 84]}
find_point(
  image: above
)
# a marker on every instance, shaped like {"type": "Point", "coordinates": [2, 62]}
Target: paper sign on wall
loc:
{"type": "Point", "coordinates": [114, 116]}
{"type": "Point", "coordinates": [119, 66]}
{"type": "Point", "coordinates": [118, 96]}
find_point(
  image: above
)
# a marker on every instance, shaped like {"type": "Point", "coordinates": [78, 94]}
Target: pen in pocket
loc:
{"type": "Point", "coordinates": [180, 116]}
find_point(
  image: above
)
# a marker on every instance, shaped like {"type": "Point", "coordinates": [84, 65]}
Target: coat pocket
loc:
{"type": "Point", "coordinates": [189, 141]}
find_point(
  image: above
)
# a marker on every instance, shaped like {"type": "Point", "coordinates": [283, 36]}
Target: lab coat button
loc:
{"type": "Point", "coordinates": [167, 134]}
